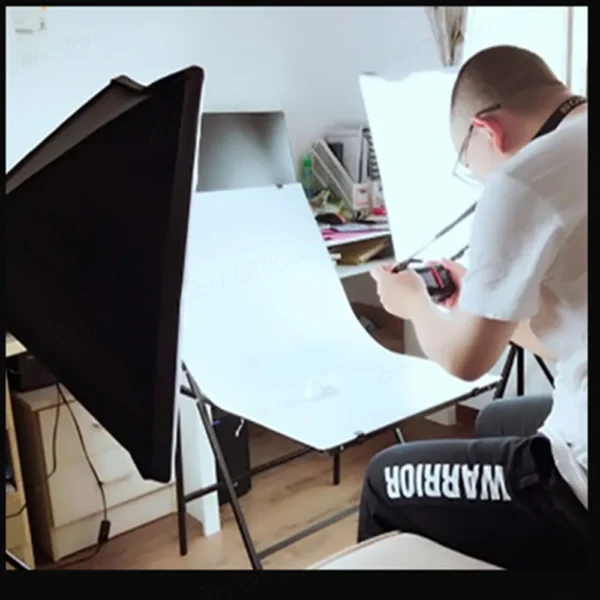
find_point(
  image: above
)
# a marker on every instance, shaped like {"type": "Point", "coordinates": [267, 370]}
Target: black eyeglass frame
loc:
{"type": "Point", "coordinates": [461, 164]}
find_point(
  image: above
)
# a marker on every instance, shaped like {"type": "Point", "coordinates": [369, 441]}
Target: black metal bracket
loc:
{"type": "Point", "coordinates": [192, 391]}
{"type": "Point", "coordinates": [218, 453]}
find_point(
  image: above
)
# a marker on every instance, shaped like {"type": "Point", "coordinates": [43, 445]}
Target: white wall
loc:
{"type": "Point", "coordinates": [541, 29]}
{"type": "Point", "coordinates": [580, 50]}
{"type": "Point", "coordinates": [305, 61]}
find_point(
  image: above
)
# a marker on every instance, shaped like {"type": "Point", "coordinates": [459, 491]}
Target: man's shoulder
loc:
{"type": "Point", "coordinates": [551, 176]}
{"type": "Point", "coordinates": [555, 166]}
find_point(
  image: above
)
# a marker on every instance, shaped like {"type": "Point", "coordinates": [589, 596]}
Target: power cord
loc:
{"type": "Point", "coordinates": [104, 531]}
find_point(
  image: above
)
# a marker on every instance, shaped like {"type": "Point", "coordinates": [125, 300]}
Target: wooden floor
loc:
{"type": "Point", "coordinates": [282, 501]}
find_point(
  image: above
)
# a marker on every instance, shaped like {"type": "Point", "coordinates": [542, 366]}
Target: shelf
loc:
{"type": "Point", "coordinates": [345, 271]}
{"type": "Point", "coordinates": [358, 237]}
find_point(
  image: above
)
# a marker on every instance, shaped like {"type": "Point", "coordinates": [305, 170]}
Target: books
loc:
{"type": "Point", "coordinates": [359, 253]}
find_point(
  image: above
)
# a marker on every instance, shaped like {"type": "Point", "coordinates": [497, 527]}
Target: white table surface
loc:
{"type": "Point", "coordinates": [269, 334]}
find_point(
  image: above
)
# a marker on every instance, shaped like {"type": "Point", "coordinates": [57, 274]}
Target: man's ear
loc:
{"type": "Point", "coordinates": [492, 127]}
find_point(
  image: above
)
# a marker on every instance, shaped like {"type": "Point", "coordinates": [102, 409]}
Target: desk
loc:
{"type": "Point", "coordinates": [63, 524]}
{"type": "Point", "coordinates": [18, 534]}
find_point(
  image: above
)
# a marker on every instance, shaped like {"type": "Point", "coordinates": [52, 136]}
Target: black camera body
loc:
{"type": "Point", "coordinates": [439, 282]}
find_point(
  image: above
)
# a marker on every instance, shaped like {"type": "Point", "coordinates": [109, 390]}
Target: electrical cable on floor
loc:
{"type": "Point", "coordinates": [104, 531]}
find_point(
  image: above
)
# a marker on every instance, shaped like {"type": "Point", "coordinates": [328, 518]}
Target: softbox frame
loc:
{"type": "Point", "coordinates": [96, 221]}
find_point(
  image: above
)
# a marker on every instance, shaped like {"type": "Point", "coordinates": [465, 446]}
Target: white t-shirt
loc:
{"type": "Point", "coordinates": [529, 260]}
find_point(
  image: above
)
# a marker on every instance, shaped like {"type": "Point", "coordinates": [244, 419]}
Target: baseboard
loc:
{"type": "Point", "coordinates": [466, 415]}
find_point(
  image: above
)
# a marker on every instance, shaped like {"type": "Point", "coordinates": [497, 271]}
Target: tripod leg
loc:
{"type": "Point", "coordinates": [545, 369]}
{"type": "Point", "coordinates": [337, 467]}
{"type": "Point", "coordinates": [505, 375]}
{"type": "Point", "coordinates": [180, 492]}
{"type": "Point", "coordinates": [216, 448]}
{"type": "Point", "coordinates": [520, 371]}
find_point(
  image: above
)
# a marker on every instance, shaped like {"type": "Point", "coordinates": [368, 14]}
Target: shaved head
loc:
{"type": "Point", "coordinates": [501, 97]}
{"type": "Point", "coordinates": [502, 75]}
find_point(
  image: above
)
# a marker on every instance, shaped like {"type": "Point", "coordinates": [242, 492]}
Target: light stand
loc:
{"type": "Point", "coordinates": [517, 353]}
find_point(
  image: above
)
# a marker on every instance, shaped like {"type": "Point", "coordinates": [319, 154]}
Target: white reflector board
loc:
{"type": "Point", "coordinates": [409, 121]}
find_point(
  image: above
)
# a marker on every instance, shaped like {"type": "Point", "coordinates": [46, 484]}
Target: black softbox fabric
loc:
{"type": "Point", "coordinates": [96, 223]}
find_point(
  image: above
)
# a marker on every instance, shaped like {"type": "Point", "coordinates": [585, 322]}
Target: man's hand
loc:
{"type": "Point", "coordinates": [401, 294]}
{"type": "Point", "coordinates": [465, 345]}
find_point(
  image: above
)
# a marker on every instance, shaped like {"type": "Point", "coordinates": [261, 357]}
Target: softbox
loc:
{"type": "Point", "coordinates": [96, 223]}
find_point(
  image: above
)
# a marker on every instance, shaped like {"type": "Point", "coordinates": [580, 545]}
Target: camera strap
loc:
{"type": "Point", "coordinates": [555, 119]}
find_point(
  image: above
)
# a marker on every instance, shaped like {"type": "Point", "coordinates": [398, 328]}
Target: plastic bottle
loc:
{"type": "Point", "coordinates": [307, 177]}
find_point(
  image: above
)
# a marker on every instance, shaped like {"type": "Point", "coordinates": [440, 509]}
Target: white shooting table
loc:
{"type": "Point", "coordinates": [287, 352]}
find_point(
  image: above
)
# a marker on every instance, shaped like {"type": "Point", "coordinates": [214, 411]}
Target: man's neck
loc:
{"type": "Point", "coordinates": [531, 124]}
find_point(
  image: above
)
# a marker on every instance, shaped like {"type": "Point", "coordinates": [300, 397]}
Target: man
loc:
{"type": "Point", "coordinates": [516, 495]}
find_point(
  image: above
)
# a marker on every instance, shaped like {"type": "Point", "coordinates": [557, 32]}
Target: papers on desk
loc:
{"type": "Point", "coordinates": [359, 253]}
{"type": "Point", "coordinates": [358, 248]}
{"type": "Point", "coordinates": [334, 238]}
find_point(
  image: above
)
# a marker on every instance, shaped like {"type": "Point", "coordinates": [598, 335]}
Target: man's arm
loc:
{"type": "Point", "coordinates": [467, 346]}
{"type": "Point", "coordinates": [523, 335]}
{"type": "Point", "coordinates": [514, 242]}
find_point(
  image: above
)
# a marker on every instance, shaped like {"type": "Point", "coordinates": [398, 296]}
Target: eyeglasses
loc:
{"type": "Point", "coordinates": [461, 168]}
